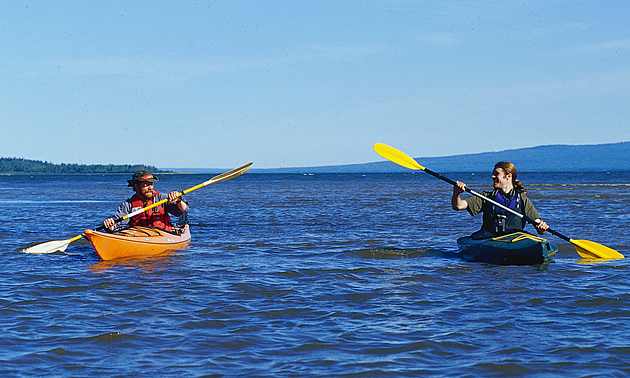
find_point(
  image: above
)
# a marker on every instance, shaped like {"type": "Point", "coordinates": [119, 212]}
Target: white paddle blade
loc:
{"type": "Point", "coordinates": [231, 174]}
{"type": "Point", "coordinates": [49, 247]}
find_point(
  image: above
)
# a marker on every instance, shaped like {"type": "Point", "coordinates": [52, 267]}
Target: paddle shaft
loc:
{"type": "Point", "coordinates": [528, 219]}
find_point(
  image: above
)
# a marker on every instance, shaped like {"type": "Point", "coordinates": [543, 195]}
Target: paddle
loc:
{"type": "Point", "coordinates": [586, 249]}
{"type": "Point", "coordinates": [61, 245]}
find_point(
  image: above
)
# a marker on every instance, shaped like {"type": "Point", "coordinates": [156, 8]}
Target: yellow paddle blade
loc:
{"type": "Point", "coordinates": [591, 250]}
{"type": "Point", "coordinates": [398, 157]}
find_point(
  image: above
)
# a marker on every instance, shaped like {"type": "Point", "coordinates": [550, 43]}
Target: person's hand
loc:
{"type": "Point", "coordinates": [459, 188]}
{"type": "Point", "coordinates": [109, 224]}
{"type": "Point", "coordinates": [457, 202]}
{"type": "Point", "coordinates": [173, 197]}
{"type": "Point", "coordinates": [541, 227]}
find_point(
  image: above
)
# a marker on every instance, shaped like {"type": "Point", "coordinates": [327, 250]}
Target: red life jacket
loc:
{"type": "Point", "coordinates": [156, 217]}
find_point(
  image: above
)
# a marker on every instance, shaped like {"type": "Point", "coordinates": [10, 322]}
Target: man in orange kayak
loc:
{"type": "Point", "coordinates": [142, 183]}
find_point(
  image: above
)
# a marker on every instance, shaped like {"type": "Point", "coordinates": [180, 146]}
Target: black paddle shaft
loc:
{"type": "Point", "coordinates": [528, 219]}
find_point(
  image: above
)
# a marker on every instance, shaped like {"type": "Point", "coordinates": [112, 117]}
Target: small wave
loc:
{"type": "Point", "coordinates": [390, 253]}
{"type": "Point", "coordinates": [109, 337]}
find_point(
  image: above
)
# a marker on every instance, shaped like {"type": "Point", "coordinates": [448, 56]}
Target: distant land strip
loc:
{"type": "Point", "coordinates": [611, 157]}
{"type": "Point", "coordinates": [26, 166]}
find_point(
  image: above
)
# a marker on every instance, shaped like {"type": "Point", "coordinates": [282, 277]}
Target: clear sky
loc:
{"type": "Point", "coordinates": [215, 84]}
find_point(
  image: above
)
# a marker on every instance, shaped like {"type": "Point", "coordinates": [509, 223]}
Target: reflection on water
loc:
{"type": "Point", "coordinates": [144, 264]}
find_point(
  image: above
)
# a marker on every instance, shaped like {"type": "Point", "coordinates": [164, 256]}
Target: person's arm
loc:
{"type": "Point", "coordinates": [530, 211]}
{"type": "Point", "coordinates": [456, 201]}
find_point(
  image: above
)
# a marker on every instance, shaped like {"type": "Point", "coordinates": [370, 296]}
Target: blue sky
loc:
{"type": "Point", "coordinates": [215, 84]}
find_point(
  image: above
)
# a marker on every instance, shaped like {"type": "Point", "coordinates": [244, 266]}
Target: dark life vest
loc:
{"type": "Point", "coordinates": [498, 220]}
{"type": "Point", "coordinates": [156, 217]}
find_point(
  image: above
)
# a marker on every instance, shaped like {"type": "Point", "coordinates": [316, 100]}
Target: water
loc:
{"type": "Point", "coordinates": [312, 275]}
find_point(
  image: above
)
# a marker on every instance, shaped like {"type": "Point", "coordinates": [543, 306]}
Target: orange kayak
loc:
{"type": "Point", "coordinates": [137, 241]}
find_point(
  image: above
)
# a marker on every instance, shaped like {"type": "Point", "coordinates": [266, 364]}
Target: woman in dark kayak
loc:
{"type": "Point", "coordinates": [507, 191]}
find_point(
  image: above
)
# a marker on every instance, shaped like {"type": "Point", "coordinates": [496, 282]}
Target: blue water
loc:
{"type": "Point", "coordinates": [312, 275]}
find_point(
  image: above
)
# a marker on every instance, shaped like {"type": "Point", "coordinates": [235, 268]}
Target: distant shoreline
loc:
{"type": "Point", "coordinates": [84, 173]}
{"type": "Point", "coordinates": [13, 166]}
{"type": "Point", "coordinates": [611, 157]}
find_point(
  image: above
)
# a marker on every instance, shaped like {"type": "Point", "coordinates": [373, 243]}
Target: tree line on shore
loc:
{"type": "Point", "coordinates": [19, 165]}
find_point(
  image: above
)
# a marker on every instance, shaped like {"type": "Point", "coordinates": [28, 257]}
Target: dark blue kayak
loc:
{"type": "Point", "coordinates": [519, 248]}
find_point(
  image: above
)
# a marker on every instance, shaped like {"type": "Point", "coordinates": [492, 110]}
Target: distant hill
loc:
{"type": "Point", "coordinates": [25, 166]}
{"type": "Point", "coordinates": [551, 158]}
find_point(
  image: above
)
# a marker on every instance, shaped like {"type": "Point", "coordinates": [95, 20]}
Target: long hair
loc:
{"type": "Point", "coordinates": [510, 168]}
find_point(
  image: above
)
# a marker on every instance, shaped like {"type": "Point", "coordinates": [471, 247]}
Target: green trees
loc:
{"type": "Point", "coordinates": [18, 165]}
